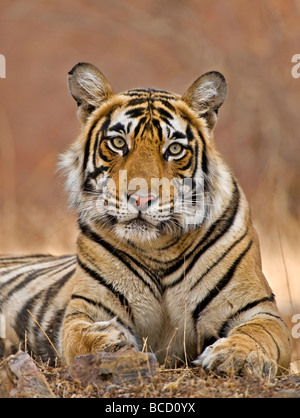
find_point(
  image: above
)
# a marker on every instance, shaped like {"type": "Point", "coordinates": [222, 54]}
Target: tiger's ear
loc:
{"type": "Point", "coordinates": [206, 95]}
{"type": "Point", "coordinates": [89, 88]}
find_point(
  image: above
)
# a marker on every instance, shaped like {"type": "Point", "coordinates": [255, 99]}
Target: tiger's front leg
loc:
{"type": "Point", "coordinates": [83, 335]}
{"type": "Point", "coordinates": [260, 347]}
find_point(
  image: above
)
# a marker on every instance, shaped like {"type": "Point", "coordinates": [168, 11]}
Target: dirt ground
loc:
{"type": "Point", "coordinates": [176, 383]}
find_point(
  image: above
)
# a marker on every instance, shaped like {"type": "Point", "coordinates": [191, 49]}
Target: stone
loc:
{"type": "Point", "coordinates": [20, 378]}
{"type": "Point", "coordinates": [117, 367]}
{"type": "Point", "coordinates": [287, 393]}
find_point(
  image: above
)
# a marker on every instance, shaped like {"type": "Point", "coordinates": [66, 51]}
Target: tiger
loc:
{"type": "Point", "coordinates": [174, 270]}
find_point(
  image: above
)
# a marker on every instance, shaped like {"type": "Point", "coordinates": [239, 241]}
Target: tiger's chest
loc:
{"type": "Point", "coordinates": [164, 325]}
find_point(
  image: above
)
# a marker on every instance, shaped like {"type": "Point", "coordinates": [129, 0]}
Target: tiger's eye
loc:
{"type": "Point", "coordinates": [175, 149]}
{"type": "Point", "coordinates": [118, 143]}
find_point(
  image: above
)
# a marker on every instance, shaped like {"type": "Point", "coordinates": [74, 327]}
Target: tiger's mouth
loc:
{"type": "Point", "coordinates": [137, 229]}
{"type": "Point", "coordinates": [145, 223]}
{"type": "Point", "coordinates": [139, 225]}
{"type": "Point", "coordinates": [143, 228]}
{"type": "Point", "coordinates": [140, 218]}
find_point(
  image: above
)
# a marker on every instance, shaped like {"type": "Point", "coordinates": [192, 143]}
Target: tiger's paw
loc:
{"type": "Point", "coordinates": [237, 356]}
{"type": "Point", "coordinates": [109, 336]}
{"type": "Point", "coordinates": [81, 338]}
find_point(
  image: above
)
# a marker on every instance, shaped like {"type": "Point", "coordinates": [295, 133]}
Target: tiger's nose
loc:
{"type": "Point", "coordinates": [140, 201]}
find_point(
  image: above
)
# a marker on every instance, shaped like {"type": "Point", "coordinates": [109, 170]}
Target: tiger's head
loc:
{"type": "Point", "coordinates": [145, 164]}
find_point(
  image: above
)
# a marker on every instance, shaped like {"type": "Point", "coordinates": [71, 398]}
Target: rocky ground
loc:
{"type": "Point", "coordinates": [130, 375]}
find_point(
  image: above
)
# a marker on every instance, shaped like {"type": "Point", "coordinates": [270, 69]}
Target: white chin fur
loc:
{"type": "Point", "coordinates": [136, 232]}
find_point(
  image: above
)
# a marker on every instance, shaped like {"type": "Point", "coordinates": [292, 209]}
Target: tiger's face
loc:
{"type": "Point", "coordinates": [142, 152]}
{"type": "Point", "coordinates": [143, 165]}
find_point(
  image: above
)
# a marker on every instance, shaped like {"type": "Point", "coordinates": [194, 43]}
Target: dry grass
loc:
{"type": "Point", "coordinates": [175, 383]}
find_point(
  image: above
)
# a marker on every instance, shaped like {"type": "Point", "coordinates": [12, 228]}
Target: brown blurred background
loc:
{"type": "Point", "coordinates": [157, 43]}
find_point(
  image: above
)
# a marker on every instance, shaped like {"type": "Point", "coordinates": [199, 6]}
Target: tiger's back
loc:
{"type": "Point", "coordinates": [37, 287]}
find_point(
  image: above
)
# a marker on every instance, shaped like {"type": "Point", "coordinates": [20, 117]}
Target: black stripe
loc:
{"type": "Point", "coordinates": [90, 301]}
{"type": "Point", "coordinates": [96, 146]}
{"type": "Point", "coordinates": [128, 127]}
{"type": "Point", "coordinates": [207, 342]}
{"type": "Point", "coordinates": [220, 226]}
{"type": "Point", "coordinates": [185, 167]}
{"type": "Point", "coordinates": [139, 126]}
{"type": "Point", "coordinates": [2, 348]}
{"type": "Point", "coordinates": [100, 305]}
{"type": "Point", "coordinates": [122, 256]}
{"type": "Point", "coordinates": [118, 127]}
{"type": "Point", "coordinates": [258, 343]}
{"type": "Point", "coordinates": [87, 150]}
{"type": "Point", "coordinates": [219, 259]}
{"type": "Point", "coordinates": [124, 302]}
{"type": "Point", "coordinates": [40, 345]}
{"type": "Point", "coordinates": [53, 330]}
{"type": "Point", "coordinates": [168, 105]}
{"type": "Point", "coordinates": [160, 92]}
{"type": "Point", "coordinates": [140, 90]}
{"type": "Point", "coordinates": [251, 305]}
{"type": "Point", "coordinates": [146, 92]}
{"type": "Point", "coordinates": [51, 293]}
{"type": "Point", "coordinates": [88, 185]}
{"type": "Point", "coordinates": [19, 262]}
{"type": "Point", "coordinates": [145, 121]}
{"type": "Point", "coordinates": [33, 276]}
{"type": "Point", "coordinates": [163, 96]}
{"type": "Point", "coordinates": [87, 146]}
{"type": "Point", "coordinates": [10, 281]}
{"type": "Point", "coordinates": [189, 133]}
{"type": "Point", "coordinates": [273, 316]}
{"type": "Point", "coordinates": [157, 126]}
{"type": "Point", "coordinates": [178, 135]}
{"type": "Point", "coordinates": [22, 319]}
{"type": "Point", "coordinates": [135, 112]}
{"type": "Point", "coordinates": [105, 157]}
{"type": "Point", "coordinates": [78, 313]}
{"type": "Point", "coordinates": [164, 113]}
{"type": "Point", "coordinates": [171, 244]}
{"type": "Point", "coordinates": [204, 163]}
{"type": "Point", "coordinates": [22, 257]}
{"type": "Point", "coordinates": [137, 100]}
{"type": "Point", "coordinates": [195, 154]}
{"type": "Point", "coordinates": [247, 307]}
{"type": "Point", "coordinates": [219, 286]}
